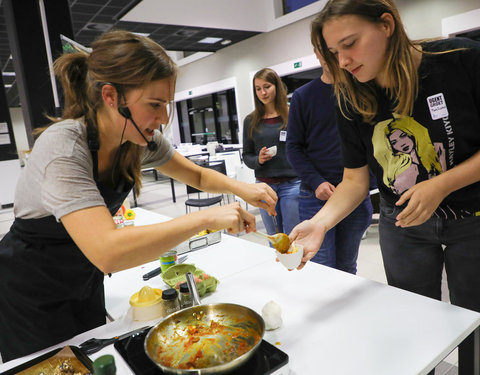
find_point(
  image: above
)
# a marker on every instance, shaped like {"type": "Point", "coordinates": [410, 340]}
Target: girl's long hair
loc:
{"type": "Point", "coordinates": [123, 59]}
{"type": "Point", "coordinates": [399, 64]}
{"type": "Point", "coordinates": [281, 102]}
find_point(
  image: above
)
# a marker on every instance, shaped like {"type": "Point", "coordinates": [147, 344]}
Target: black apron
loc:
{"type": "Point", "coordinates": [49, 291]}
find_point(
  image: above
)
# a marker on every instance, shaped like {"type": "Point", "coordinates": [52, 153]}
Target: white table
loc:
{"type": "Point", "coordinates": [333, 322]}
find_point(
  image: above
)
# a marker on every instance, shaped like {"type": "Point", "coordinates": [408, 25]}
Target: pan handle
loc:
{"type": "Point", "coordinates": [193, 289]}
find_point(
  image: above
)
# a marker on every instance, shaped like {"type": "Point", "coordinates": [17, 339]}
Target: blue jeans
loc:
{"type": "Point", "coordinates": [414, 258]}
{"type": "Point", "coordinates": [340, 247]}
{"type": "Point", "coordinates": [287, 207]}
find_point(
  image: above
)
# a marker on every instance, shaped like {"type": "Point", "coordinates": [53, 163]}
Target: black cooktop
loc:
{"type": "Point", "coordinates": [266, 359]}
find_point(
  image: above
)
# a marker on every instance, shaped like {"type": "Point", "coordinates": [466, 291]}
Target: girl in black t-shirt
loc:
{"type": "Point", "coordinates": [428, 178]}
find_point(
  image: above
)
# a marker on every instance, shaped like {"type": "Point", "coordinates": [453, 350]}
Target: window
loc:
{"type": "Point", "coordinates": [293, 5]}
{"type": "Point", "coordinates": [209, 118]}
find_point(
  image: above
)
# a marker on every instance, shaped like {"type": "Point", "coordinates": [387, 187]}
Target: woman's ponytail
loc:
{"type": "Point", "coordinates": [71, 70]}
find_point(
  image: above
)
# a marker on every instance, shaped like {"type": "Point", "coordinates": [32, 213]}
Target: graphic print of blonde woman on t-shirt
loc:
{"type": "Point", "coordinates": [406, 153]}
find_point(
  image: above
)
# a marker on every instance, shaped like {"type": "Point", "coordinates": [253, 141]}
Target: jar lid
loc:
{"type": "Point", "coordinates": [184, 288]}
{"type": "Point", "coordinates": [169, 294]}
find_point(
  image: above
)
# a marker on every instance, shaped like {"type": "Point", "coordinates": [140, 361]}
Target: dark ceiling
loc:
{"type": "Point", "coordinates": [92, 17]}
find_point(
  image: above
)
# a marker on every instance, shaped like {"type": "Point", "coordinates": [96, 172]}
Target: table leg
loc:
{"type": "Point", "coordinates": [134, 197]}
{"type": "Point", "coordinates": [476, 351]}
{"type": "Point", "coordinates": [469, 354]}
{"type": "Point", "coordinates": [172, 186]}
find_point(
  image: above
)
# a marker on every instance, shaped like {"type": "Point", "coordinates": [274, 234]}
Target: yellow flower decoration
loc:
{"type": "Point", "coordinates": [129, 214]}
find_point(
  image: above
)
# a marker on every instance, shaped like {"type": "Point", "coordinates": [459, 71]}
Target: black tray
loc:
{"type": "Point", "coordinates": [81, 356]}
{"type": "Point", "coordinates": [266, 359]}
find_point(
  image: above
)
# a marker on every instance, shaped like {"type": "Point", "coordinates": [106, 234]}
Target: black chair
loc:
{"type": "Point", "coordinates": [207, 201]}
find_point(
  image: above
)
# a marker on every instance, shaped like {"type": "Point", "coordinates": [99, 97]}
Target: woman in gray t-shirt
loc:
{"type": "Point", "coordinates": [63, 239]}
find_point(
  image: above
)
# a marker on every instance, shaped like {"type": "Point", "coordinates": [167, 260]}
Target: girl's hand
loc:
{"type": "Point", "coordinates": [423, 199]}
{"type": "Point", "coordinates": [259, 195]}
{"type": "Point", "coordinates": [232, 217]}
{"type": "Point", "coordinates": [264, 155]}
{"type": "Point", "coordinates": [310, 235]}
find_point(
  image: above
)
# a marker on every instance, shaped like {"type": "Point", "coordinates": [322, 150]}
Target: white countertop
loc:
{"type": "Point", "coordinates": [333, 322]}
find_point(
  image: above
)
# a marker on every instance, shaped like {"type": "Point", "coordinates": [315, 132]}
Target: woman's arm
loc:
{"type": "Point", "coordinates": [249, 154]}
{"type": "Point", "coordinates": [111, 249]}
{"type": "Point", "coordinates": [347, 196]}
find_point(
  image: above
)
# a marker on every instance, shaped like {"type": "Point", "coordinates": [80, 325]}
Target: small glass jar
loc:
{"type": "Point", "coordinates": [170, 301]}
{"type": "Point", "coordinates": [186, 299]}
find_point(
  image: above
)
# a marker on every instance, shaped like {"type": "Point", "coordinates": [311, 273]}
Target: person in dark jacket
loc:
{"type": "Point", "coordinates": [313, 148]}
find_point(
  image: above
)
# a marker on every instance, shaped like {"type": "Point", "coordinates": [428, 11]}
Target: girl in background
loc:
{"type": "Point", "coordinates": [264, 128]}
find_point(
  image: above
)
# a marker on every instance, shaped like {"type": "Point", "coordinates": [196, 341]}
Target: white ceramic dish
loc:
{"type": "Point", "coordinates": [293, 260]}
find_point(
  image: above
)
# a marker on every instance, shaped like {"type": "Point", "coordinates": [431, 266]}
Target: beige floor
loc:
{"type": "Point", "coordinates": [156, 196]}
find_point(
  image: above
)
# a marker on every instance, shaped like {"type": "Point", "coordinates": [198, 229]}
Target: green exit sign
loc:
{"type": "Point", "coordinates": [297, 64]}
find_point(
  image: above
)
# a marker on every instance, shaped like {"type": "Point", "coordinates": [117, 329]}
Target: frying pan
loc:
{"type": "Point", "coordinates": [205, 339]}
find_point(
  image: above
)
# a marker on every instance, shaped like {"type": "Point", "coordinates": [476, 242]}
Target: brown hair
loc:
{"type": "Point", "coordinates": [281, 102]}
{"type": "Point", "coordinates": [400, 69]}
{"type": "Point", "coordinates": [123, 59]}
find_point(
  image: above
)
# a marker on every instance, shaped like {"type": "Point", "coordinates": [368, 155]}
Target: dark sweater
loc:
{"type": "Point", "coordinates": [268, 135]}
{"type": "Point", "coordinates": [313, 143]}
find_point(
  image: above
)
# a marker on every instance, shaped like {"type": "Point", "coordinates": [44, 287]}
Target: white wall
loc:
{"type": "Point", "coordinates": [250, 15]}
{"type": "Point", "coordinates": [238, 61]}
{"type": "Point", "coordinates": [461, 23]}
{"type": "Point", "coordinates": [422, 19]}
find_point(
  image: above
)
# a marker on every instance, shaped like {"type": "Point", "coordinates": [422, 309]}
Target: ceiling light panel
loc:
{"type": "Point", "coordinates": [210, 40]}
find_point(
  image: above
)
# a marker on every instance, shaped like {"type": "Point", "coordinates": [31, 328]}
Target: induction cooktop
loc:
{"type": "Point", "coordinates": [267, 359]}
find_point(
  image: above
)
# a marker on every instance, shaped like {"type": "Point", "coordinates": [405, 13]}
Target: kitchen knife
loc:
{"type": "Point", "coordinates": [158, 271]}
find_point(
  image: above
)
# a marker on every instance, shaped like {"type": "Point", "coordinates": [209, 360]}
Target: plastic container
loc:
{"type": "Point", "coordinates": [175, 276]}
{"type": "Point", "coordinates": [199, 242]}
{"type": "Point", "coordinates": [147, 304]}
